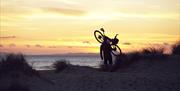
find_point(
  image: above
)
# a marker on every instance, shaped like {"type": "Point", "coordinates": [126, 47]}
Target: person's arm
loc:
{"type": "Point", "coordinates": [101, 52]}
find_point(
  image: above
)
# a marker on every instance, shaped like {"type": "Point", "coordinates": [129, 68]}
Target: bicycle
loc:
{"type": "Point", "coordinates": [99, 35]}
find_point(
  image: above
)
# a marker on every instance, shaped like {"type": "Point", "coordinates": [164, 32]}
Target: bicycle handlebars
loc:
{"type": "Point", "coordinates": [102, 29]}
{"type": "Point", "coordinates": [116, 35]}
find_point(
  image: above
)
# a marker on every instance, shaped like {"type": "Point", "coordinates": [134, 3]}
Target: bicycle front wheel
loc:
{"type": "Point", "coordinates": [99, 36]}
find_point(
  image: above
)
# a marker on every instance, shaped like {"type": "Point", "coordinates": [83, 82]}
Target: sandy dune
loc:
{"type": "Point", "coordinates": [144, 75]}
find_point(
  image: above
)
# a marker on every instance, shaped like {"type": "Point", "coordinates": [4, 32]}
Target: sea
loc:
{"type": "Point", "coordinates": [45, 62]}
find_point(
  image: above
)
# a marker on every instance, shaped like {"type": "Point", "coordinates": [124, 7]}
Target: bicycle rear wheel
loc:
{"type": "Point", "coordinates": [117, 51]}
{"type": "Point", "coordinates": [99, 36]}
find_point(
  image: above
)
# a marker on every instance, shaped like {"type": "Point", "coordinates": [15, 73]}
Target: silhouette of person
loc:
{"type": "Point", "coordinates": [105, 51]}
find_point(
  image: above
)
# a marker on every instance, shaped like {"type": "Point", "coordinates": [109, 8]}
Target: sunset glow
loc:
{"type": "Point", "coordinates": [67, 26]}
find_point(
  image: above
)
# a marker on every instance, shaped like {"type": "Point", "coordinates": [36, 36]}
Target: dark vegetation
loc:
{"type": "Point", "coordinates": [125, 60]}
{"type": "Point", "coordinates": [60, 65]}
{"type": "Point", "coordinates": [16, 63]}
{"type": "Point", "coordinates": [151, 53]}
{"type": "Point", "coordinates": [176, 49]}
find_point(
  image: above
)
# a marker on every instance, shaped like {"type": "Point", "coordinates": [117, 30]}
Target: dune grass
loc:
{"type": "Point", "coordinates": [16, 62]}
{"type": "Point", "coordinates": [153, 51]}
{"type": "Point", "coordinates": [176, 49]}
{"type": "Point", "coordinates": [125, 60]}
{"type": "Point", "coordinates": [60, 65]}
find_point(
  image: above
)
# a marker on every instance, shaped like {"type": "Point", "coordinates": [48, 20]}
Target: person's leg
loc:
{"type": "Point", "coordinates": [110, 59]}
{"type": "Point", "coordinates": [105, 67]}
{"type": "Point", "coordinates": [110, 63]}
{"type": "Point", "coordinates": [105, 61]}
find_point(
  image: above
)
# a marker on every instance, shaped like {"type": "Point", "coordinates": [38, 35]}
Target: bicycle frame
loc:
{"type": "Point", "coordinates": [103, 32]}
{"type": "Point", "coordinates": [113, 42]}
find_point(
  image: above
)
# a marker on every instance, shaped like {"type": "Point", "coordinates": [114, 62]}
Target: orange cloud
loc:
{"type": "Point", "coordinates": [86, 42]}
{"type": "Point", "coordinates": [126, 43]}
{"type": "Point", "coordinates": [52, 46]}
{"type": "Point", "coordinates": [40, 46]}
{"type": "Point", "coordinates": [28, 46]}
{"type": "Point", "coordinates": [7, 37]}
{"type": "Point", "coordinates": [1, 45]}
{"type": "Point", "coordinates": [65, 11]}
{"type": "Point", "coordinates": [12, 45]}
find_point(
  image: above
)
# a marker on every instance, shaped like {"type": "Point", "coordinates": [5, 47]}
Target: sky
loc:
{"type": "Point", "coordinates": [67, 26]}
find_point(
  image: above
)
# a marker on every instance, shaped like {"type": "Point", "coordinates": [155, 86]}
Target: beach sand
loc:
{"type": "Point", "coordinates": [144, 75]}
